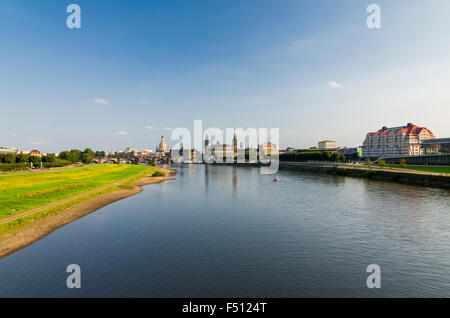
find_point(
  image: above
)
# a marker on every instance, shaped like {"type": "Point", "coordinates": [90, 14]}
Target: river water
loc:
{"type": "Point", "coordinates": [221, 231]}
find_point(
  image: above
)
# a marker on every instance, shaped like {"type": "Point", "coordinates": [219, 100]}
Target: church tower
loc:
{"type": "Point", "coordinates": [162, 146]}
{"type": "Point", "coordinates": [206, 141]}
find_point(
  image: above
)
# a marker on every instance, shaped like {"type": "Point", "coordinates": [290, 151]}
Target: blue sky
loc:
{"type": "Point", "coordinates": [137, 68]}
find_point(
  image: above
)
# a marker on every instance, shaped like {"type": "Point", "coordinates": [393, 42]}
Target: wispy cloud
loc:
{"type": "Point", "coordinates": [38, 143]}
{"type": "Point", "coordinates": [100, 101]}
{"type": "Point", "coordinates": [157, 128]}
{"type": "Point", "coordinates": [122, 133]}
{"type": "Point", "coordinates": [334, 84]}
{"type": "Point", "coordinates": [11, 11]}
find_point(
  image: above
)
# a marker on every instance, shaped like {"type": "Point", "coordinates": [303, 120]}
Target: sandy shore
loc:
{"type": "Point", "coordinates": [31, 233]}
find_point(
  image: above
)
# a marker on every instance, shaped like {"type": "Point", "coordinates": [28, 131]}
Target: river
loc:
{"type": "Point", "coordinates": [220, 231]}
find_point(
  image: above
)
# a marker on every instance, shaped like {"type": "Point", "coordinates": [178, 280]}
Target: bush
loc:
{"type": "Point", "coordinates": [57, 163]}
{"type": "Point", "coordinates": [159, 173]}
{"type": "Point", "coordinates": [381, 163]}
{"type": "Point", "coordinates": [403, 163]}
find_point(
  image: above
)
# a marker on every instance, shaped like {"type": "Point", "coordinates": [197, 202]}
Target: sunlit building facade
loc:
{"type": "Point", "coordinates": [397, 141]}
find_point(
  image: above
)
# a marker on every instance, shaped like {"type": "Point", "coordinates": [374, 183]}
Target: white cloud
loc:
{"type": "Point", "coordinates": [38, 143]}
{"type": "Point", "coordinates": [334, 84]}
{"type": "Point", "coordinates": [157, 128]}
{"type": "Point", "coordinates": [122, 133]}
{"type": "Point", "coordinates": [100, 101]}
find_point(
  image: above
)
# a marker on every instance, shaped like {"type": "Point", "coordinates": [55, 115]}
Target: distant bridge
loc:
{"type": "Point", "coordinates": [133, 160]}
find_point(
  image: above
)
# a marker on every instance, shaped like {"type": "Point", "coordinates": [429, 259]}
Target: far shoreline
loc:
{"type": "Point", "coordinates": [29, 234]}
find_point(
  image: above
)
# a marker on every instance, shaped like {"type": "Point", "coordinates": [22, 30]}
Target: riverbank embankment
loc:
{"type": "Point", "coordinates": [423, 178]}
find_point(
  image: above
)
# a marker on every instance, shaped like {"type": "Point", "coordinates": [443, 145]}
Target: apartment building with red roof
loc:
{"type": "Point", "coordinates": [396, 141]}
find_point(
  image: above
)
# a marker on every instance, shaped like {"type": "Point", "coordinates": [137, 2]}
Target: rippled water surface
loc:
{"type": "Point", "coordinates": [224, 231]}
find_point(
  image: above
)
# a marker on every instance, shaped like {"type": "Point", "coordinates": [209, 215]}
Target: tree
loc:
{"type": "Point", "coordinates": [21, 158]}
{"type": "Point", "coordinates": [10, 158]}
{"type": "Point", "coordinates": [51, 157]}
{"type": "Point", "coordinates": [35, 160]}
{"type": "Point", "coordinates": [76, 155]}
{"type": "Point", "coordinates": [368, 161]}
{"type": "Point", "coordinates": [382, 163]}
{"type": "Point", "coordinates": [99, 154]}
{"type": "Point", "coordinates": [403, 163]}
{"type": "Point", "coordinates": [67, 155]}
{"type": "Point", "coordinates": [335, 156]}
{"type": "Point", "coordinates": [87, 156]}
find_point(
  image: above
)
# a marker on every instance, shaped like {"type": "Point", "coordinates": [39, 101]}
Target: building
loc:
{"type": "Point", "coordinates": [222, 151]}
{"type": "Point", "coordinates": [435, 151]}
{"type": "Point", "coordinates": [436, 146]}
{"type": "Point", "coordinates": [327, 145]}
{"type": "Point", "coordinates": [206, 142]}
{"type": "Point", "coordinates": [235, 144]}
{"type": "Point", "coordinates": [35, 152]}
{"type": "Point", "coordinates": [268, 149]}
{"type": "Point", "coordinates": [351, 153]}
{"type": "Point", "coordinates": [6, 151]}
{"type": "Point", "coordinates": [162, 146]}
{"type": "Point", "coordinates": [289, 149]}
{"type": "Point", "coordinates": [131, 150]}
{"type": "Point", "coordinates": [397, 141]}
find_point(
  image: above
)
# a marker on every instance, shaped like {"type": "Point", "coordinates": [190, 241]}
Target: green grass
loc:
{"type": "Point", "coordinates": [424, 168]}
{"type": "Point", "coordinates": [19, 193]}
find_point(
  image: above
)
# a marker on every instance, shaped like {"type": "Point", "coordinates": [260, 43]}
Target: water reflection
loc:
{"type": "Point", "coordinates": [220, 231]}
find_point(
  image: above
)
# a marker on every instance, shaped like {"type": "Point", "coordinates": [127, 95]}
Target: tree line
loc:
{"type": "Point", "coordinates": [86, 156]}
{"type": "Point", "coordinates": [68, 157]}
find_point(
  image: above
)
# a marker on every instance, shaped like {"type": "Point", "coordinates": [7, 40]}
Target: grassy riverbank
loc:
{"type": "Point", "coordinates": [34, 205]}
{"type": "Point", "coordinates": [438, 169]}
{"type": "Point", "coordinates": [19, 193]}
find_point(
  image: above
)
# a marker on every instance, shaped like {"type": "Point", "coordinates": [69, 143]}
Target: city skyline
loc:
{"type": "Point", "coordinates": [133, 73]}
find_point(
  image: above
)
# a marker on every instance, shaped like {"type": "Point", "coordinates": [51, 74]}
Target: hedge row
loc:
{"type": "Point", "coordinates": [312, 156]}
{"type": "Point", "coordinates": [22, 166]}
{"type": "Point", "coordinates": [57, 163]}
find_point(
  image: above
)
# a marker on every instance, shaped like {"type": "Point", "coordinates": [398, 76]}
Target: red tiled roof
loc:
{"type": "Point", "coordinates": [409, 129]}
